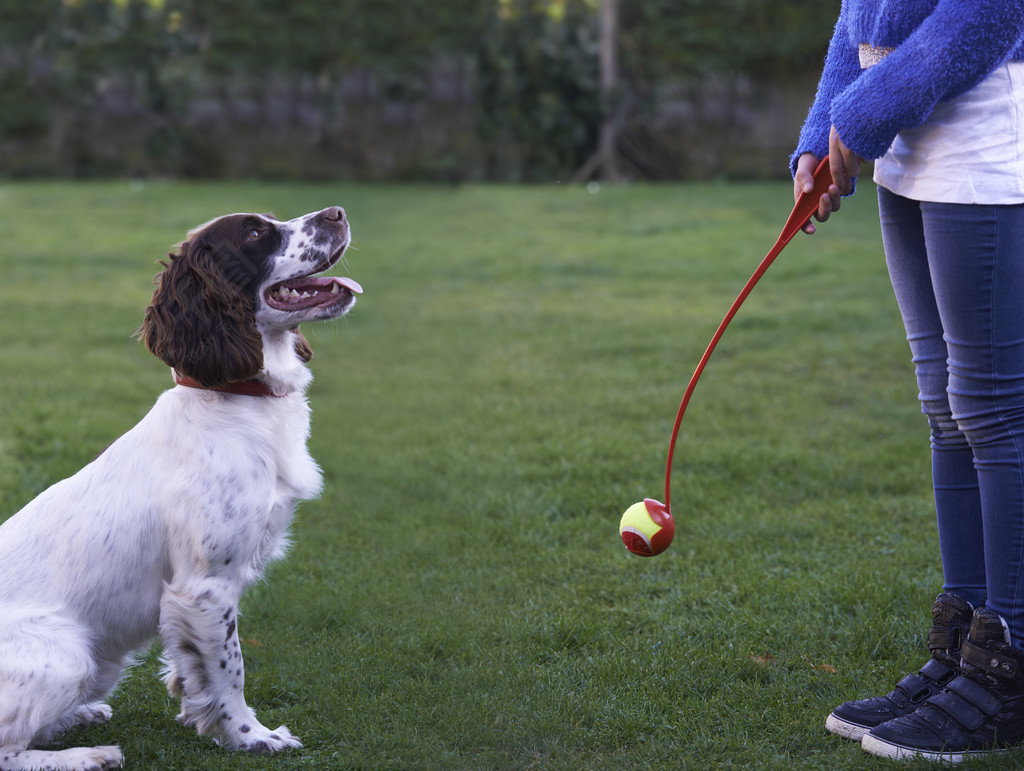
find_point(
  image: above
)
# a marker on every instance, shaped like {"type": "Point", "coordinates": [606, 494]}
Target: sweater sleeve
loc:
{"type": "Point", "coordinates": [842, 67]}
{"type": "Point", "coordinates": [953, 50]}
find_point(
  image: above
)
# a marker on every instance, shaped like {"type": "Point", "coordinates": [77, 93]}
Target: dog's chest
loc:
{"type": "Point", "coordinates": [296, 473]}
{"type": "Point", "coordinates": [295, 477]}
{"type": "Point", "coordinates": [243, 465]}
{"type": "Point", "coordinates": [253, 445]}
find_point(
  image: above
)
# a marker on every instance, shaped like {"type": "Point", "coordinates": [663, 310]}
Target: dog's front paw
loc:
{"type": "Point", "coordinates": [260, 740]}
{"type": "Point", "coordinates": [74, 759]}
{"type": "Point", "coordinates": [95, 758]}
{"type": "Point", "coordinates": [96, 713]}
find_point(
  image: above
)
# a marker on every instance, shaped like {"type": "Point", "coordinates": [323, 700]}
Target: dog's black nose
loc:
{"type": "Point", "coordinates": [333, 214]}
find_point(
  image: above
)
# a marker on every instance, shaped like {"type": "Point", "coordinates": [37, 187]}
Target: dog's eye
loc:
{"type": "Point", "coordinates": [254, 234]}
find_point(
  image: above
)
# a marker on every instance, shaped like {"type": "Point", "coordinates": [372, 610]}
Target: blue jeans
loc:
{"type": "Point", "coordinates": [958, 274]}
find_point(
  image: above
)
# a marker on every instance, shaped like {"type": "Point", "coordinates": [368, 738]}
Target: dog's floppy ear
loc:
{"type": "Point", "coordinates": [302, 347]}
{"type": "Point", "coordinates": [199, 322]}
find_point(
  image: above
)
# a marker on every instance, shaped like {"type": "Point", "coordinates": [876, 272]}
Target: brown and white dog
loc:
{"type": "Point", "coordinates": [160, 535]}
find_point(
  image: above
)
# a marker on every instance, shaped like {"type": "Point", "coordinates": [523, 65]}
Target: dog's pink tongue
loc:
{"type": "Point", "coordinates": [349, 283]}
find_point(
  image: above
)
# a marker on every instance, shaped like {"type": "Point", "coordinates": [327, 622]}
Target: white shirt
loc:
{"type": "Point", "coordinates": [971, 150]}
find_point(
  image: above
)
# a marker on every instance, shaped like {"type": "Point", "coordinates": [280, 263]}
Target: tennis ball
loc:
{"type": "Point", "coordinates": [647, 528]}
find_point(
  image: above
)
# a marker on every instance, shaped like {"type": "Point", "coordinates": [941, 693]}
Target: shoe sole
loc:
{"type": "Point", "coordinates": [883, 749]}
{"type": "Point", "coordinates": [846, 729]}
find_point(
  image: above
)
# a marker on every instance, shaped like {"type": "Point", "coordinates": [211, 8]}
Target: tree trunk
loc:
{"type": "Point", "coordinates": [603, 162]}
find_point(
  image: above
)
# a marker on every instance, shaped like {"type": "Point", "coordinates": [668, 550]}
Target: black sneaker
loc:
{"type": "Point", "coordinates": [980, 711]}
{"type": "Point", "coordinates": [951, 618]}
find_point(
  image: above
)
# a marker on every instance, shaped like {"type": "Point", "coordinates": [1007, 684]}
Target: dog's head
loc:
{"type": "Point", "coordinates": [240, 276]}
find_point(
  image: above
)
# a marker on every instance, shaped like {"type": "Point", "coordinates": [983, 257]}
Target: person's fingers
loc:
{"type": "Point", "coordinates": [825, 208]}
{"type": "Point", "coordinates": [803, 177]}
{"type": "Point", "coordinates": [837, 166]}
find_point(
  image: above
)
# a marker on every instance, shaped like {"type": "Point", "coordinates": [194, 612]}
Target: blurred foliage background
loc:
{"type": "Point", "coordinates": [452, 90]}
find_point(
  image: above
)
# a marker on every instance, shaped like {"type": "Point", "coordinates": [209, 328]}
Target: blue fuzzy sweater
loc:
{"type": "Point", "coordinates": [942, 49]}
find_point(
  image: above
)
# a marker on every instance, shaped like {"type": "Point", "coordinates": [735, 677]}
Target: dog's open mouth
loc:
{"type": "Point", "coordinates": [310, 292]}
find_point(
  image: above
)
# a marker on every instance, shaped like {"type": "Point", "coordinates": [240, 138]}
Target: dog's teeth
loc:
{"type": "Point", "coordinates": [287, 294]}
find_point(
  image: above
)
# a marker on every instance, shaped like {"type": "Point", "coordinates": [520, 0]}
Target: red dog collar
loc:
{"type": "Point", "coordinates": [243, 387]}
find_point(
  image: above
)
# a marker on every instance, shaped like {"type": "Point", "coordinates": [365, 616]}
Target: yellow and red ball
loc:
{"type": "Point", "coordinates": [647, 528]}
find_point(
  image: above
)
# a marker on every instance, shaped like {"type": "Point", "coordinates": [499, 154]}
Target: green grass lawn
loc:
{"type": "Point", "coordinates": [459, 597]}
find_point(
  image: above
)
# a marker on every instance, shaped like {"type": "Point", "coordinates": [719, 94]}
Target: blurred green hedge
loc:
{"type": "Point", "coordinates": [488, 89]}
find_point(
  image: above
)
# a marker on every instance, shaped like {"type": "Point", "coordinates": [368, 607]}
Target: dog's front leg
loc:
{"type": "Point", "coordinates": [200, 636]}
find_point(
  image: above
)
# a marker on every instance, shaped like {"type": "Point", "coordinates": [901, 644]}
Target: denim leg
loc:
{"type": "Point", "coordinates": [958, 504]}
{"type": "Point", "coordinates": [976, 254]}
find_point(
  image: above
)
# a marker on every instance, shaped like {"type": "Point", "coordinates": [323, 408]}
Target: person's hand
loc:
{"type": "Point", "coordinates": [844, 165]}
{"type": "Point", "coordinates": [803, 182]}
